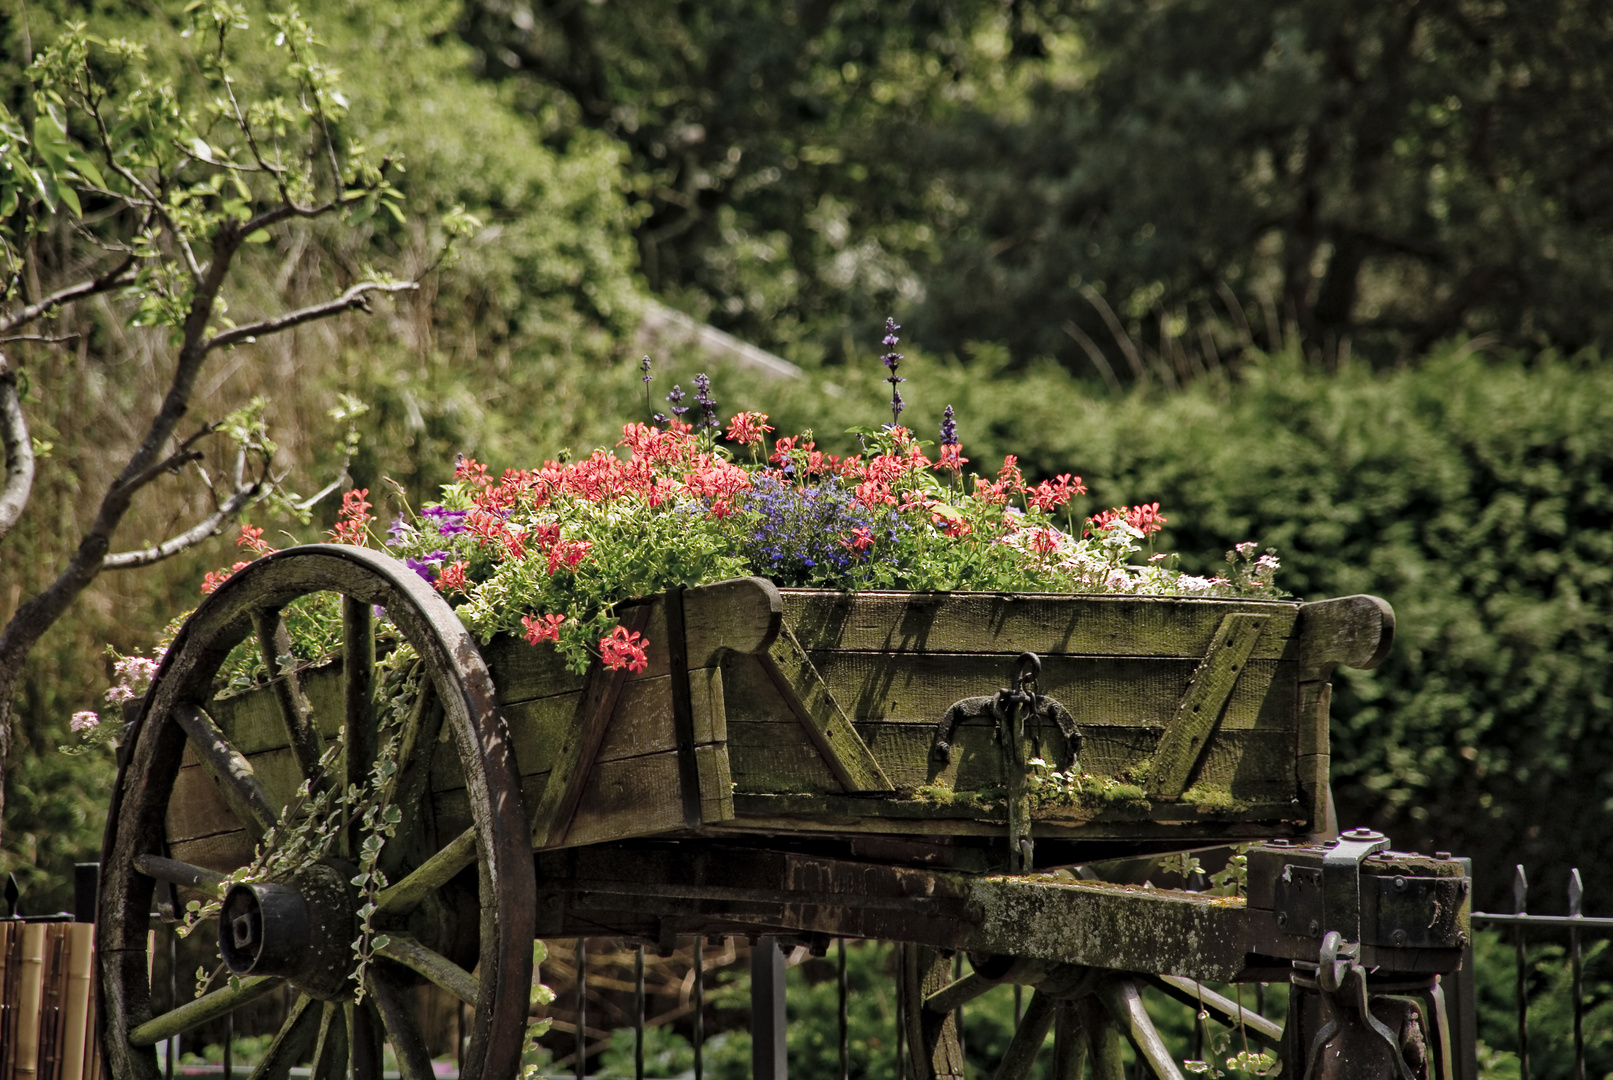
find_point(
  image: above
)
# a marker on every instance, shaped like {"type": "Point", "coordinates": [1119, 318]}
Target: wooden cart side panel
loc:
{"type": "Point", "coordinates": [1046, 624]}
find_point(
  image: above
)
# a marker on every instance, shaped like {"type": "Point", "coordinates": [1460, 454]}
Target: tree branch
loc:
{"type": "Point", "coordinates": [355, 297]}
{"type": "Point", "coordinates": [172, 463]}
{"type": "Point", "coordinates": [112, 279]}
{"type": "Point", "coordinates": [19, 450]}
{"type": "Point", "coordinates": [209, 526]}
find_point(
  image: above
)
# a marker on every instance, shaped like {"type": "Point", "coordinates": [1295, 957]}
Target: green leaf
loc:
{"type": "Point", "coordinates": [256, 236]}
{"type": "Point", "coordinates": [88, 170]}
{"type": "Point", "coordinates": [380, 941]}
{"type": "Point", "coordinates": [67, 195]}
{"type": "Point", "coordinates": [200, 148]}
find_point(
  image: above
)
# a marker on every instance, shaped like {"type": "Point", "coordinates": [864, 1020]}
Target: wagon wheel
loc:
{"type": "Point", "coordinates": [1090, 1012]}
{"type": "Point", "coordinates": [298, 928]}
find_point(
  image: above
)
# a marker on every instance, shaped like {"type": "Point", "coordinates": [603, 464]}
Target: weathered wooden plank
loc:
{"type": "Point", "coordinates": [232, 773]}
{"type": "Point", "coordinates": [252, 719]}
{"type": "Point", "coordinates": [1046, 624]}
{"type": "Point", "coordinates": [569, 770]}
{"type": "Point", "coordinates": [1356, 631]}
{"type": "Point", "coordinates": [643, 722]}
{"type": "Point", "coordinates": [1097, 691]}
{"type": "Point", "coordinates": [743, 615]}
{"type": "Point", "coordinates": [716, 784]}
{"type": "Point", "coordinates": [1315, 698]}
{"type": "Point", "coordinates": [640, 797]}
{"type": "Point", "coordinates": [771, 756]}
{"type": "Point", "coordinates": [222, 852]}
{"type": "Point", "coordinates": [1313, 775]}
{"type": "Point", "coordinates": [740, 615]}
{"type": "Point", "coordinates": [814, 706]}
{"type": "Point", "coordinates": [197, 808]}
{"type": "Point", "coordinates": [852, 815]}
{"type": "Point", "coordinates": [1199, 711]}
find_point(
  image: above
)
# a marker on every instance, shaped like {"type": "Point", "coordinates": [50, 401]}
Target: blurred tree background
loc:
{"type": "Point", "coordinates": [1328, 276]}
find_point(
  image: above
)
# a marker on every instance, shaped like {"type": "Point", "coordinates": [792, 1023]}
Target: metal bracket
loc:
{"type": "Point", "coordinates": [1341, 881]}
{"type": "Point", "coordinates": [1015, 711]}
{"type": "Point", "coordinates": [995, 706]}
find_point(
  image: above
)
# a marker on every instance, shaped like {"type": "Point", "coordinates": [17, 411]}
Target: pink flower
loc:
{"type": "Point", "coordinates": [542, 627]}
{"type": "Point", "coordinates": [748, 427]}
{"type": "Point", "coordinates": [212, 581]}
{"type": "Point", "coordinates": [624, 648]}
{"type": "Point", "coordinates": [452, 578]}
{"type": "Point", "coordinates": [354, 516]}
{"type": "Point", "coordinates": [859, 541]}
{"type": "Point", "coordinates": [951, 457]}
{"type": "Point", "coordinates": [1044, 542]}
{"type": "Point", "coordinates": [252, 538]}
{"type": "Point", "coordinates": [1049, 495]}
{"type": "Point", "coordinates": [83, 721]}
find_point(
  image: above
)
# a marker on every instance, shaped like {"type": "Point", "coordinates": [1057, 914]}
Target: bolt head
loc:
{"type": "Point", "coordinates": [1400, 938]}
{"type": "Point", "coordinates": [1400, 884]}
{"type": "Point", "coordinates": [1316, 928]}
{"type": "Point", "coordinates": [1282, 918]}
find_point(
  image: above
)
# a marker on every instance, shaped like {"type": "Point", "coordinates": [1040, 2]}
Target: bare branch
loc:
{"type": "Point", "coordinates": [46, 338]}
{"type": "Point", "coordinates": [356, 297]}
{"type": "Point", "coordinates": [118, 276]}
{"type": "Point", "coordinates": [19, 450]}
{"type": "Point", "coordinates": [209, 526]}
{"type": "Point", "coordinates": [172, 463]}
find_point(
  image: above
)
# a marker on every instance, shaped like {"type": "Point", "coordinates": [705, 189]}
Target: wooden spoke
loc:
{"type": "Point", "coordinates": [292, 1042]}
{"type": "Point", "coordinates": [358, 718]}
{"type": "Point", "coordinates": [1104, 1042]}
{"type": "Point", "coordinates": [363, 1042]}
{"type": "Point", "coordinates": [207, 1007]}
{"type": "Point", "coordinates": [230, 771]}
{"type": "Point", "coordinates": [440, 970]}
{"type": "Point", "coordinates": [1119, 996]}
{"type": "Point", "coordinates": [408, 1044]}
{"type": "Point", "coordinates": [1069, 1046]}
{"type": "Point", "coordinates": [958, 993]}
{"type": "Point", "coordinates": [274, 642]}
{"type": "Point", "coordinates": [431, 875]}
{"type": "Point", "coordinates": [1229, 1011]}
{"type": "Point", "coordinates": [932, 1037]}
{"type": "Point", "coordinates": [1028, 1039]}
{"type": "Point", "coordinates": [158, 868]}
{"type": "Point", "coordinates": [412, 783]}
{"type": "Point", "coordinates": [330, 1049]}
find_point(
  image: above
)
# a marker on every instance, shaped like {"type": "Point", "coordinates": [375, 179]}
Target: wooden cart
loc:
{"type": "Point", "coordinates": [925, 768]}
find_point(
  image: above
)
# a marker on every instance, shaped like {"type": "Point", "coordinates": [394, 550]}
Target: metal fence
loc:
{"type": "Point", "coordinates": [1524, 926]}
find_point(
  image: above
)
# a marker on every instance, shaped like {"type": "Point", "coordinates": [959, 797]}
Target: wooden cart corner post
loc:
{"type": "Point", "coordinates": [788, 761]}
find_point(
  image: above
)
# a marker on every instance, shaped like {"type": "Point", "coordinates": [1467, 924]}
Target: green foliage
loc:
{"type": "Point", "coordinates": [519, 326]}
{"type": "Point", "coordinates": [1376, 176]}
{"type": "Point", "coordinates": [1549, 984]}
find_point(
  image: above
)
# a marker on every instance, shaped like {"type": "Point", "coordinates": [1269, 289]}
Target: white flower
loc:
{"type": "Point", "coordinates": [84, 720]}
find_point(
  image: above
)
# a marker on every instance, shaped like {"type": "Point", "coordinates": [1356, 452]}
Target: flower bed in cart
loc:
{"type": "Point", "coordinates": [700, 632]}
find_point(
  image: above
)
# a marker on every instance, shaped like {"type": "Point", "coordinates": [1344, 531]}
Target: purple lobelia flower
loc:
{"type": "Point", "coordinates": [891, 360]}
